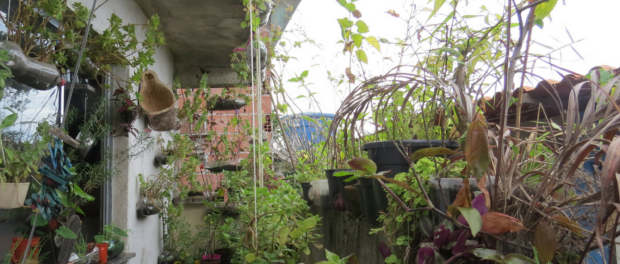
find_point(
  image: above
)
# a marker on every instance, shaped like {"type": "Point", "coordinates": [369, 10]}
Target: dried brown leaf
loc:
{"type": "Point", "coordinates": [357, 14]}
{"type": "Point", "coordinates": [570, 224]}
{"type": "Point", "coordinates": [482, 185]}
{"type": "Point", "coordinates": [393, 13]}
{"type": "Point", "coordinates": [497, 223]}
{"type": "Point", "coordinates": [463, 198]}
{"type": "Point", "coordinates": [545, 242]}
{"type": "Point", "coordinates": [477, 148]}
{"type": "Point", "coordinates": [350, 75]}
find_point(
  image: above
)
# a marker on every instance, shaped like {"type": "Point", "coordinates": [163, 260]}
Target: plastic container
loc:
{"type": "Point", "coordinates": [19, 248]}
{"type": "Point", "coordinates": [305, 186]}
{"type": "Point", "coordinates": [319, 193]}
{"type": "Point", "coordinates": [103, 253]}
{"type": "Point", "coordinates": [12, 195]}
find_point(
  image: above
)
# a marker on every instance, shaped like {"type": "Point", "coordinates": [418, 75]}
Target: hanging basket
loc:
{"type": "Point", "coordinates": [13, 195]}
{"type": "Point", "coordinates": [158, 102]}
{"type": "Point", "coordinates": [28, 71]}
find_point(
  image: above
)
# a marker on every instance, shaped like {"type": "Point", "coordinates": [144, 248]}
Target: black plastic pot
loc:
{"type": "Point", "coordinates": [228, 104]}
{"type": "Point", "coordinates": [305, 186]}
{"type": "Point", "coordinates": [334, 189]}
{"type": "Point", "coordinates": [341, 185]}
{"type": "Point", "coordinates": [368, 202]}
{"type": "Point", "coordinates": [387, 155]}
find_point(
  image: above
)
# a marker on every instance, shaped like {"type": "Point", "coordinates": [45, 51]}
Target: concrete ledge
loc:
{"type": "Point", "coordinates": [122, 258]}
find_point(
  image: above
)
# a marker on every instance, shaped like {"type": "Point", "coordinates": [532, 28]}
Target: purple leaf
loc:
{"type": "Point", "coordinates": [384, 250]}
{"type": "Point", "coordinates": [462, 220]}
{"type": "Point", "coordinates": [442, 234]}
{"type": "Point", "coordinates": [339, 203]}
{"type": "Point", "coordinates": [461, 237]}
{"type": "Point", "coordinates": [239, 49]}
{"type": "Point", "coordinates": [480, 204]}
{"type": "Point", "coordinates": [123, 108]}
{"type": "Point", "coordinates": [128, 101]}
{"type": "Point", "coordinates": [147, 130]}
{"type": "Point", "coordinates": [426, 255]}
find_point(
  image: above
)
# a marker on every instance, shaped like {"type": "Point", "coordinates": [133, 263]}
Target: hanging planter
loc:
{"type": "Point", "coordinates": [260, 52]}
{"type": "Point", "coordinates": [13, 195]}
{"type": "Point", "coordinates": [30, 72]}
{"type": "Point", "coordinates": [149, 206]}
{"type": "Point", "coordinates": [219, 166]}
{"type": "Point", "coordinates": [265, 14]}
{"type": "Point", "coordinates": [227, 104]}
{"type": "Point", "coordinates": [158, 102]}
{"type": "Point", "coordinates": [388, 156]}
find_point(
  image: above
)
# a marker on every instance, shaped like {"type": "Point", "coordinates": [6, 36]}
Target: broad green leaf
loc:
{"type": "Point", "coordinates": [99, 239]}
{"type": "Point", "coordinates": [357, 40]}
{"type": "Point", "coordinates": [40, 221]}
{"type": "Point", "coordinates": [477, 149]}
{"type": "Point", "coordinates": [350, 7]}
{"type": "Point", "coordinates": [438, 4]}
{"type": "Point", "coordinates": [361, 26]}
{"type": "Point", "coordinates": [514, 258]}
{"type": "Point", "coordinates": [304, 74]}
{"type": "Point", "coordinates": [363, 164]}
{"type": "Point", "coordinates": [307, 250]}
{"type": "Point", "coordinates": [283, 235]}
{"type": "Point", "coordinates": [331, 256]}
{"type": "Point", "coordinates": [361, 55]}
{"type": "Point", "coordinates": [489, 254]}
{"type": "Point", "coordinates": [345, 23]}
{"type": "Point", "coordinates": [120, 232]}
{"type": "Point", "coordinates": [544, 9]}
{"type": "Point", "coordinates": [79, 192]}
{"type": "Point", "coordinates": [342, 174]}
{"type": "Point", "coordinates": [310, 222]}
{"type": "Point", "coordinates": [374, 42]}
{"type": "Point", "coordinates": [295, 233]}
{"type": "Point", "coordinates": [9, 120]}
{"type": "Point", "coordinates": [473, 219]}
{"type": "Point", "coordinates": [430, 152]}
{"type": "Point", "coordinates": [250, 257]}
{"type": "Point", "coordinates": [66, 233]}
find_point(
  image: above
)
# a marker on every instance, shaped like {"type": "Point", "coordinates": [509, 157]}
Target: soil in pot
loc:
{"type": "Point", "coordinates": [305, 186]}
{"type": "Point", "coordinates": [387, 155]}
{"type": "Point", "coordinates": [12, 195]}
{"type": "Point", "coordinates": [19, 246]}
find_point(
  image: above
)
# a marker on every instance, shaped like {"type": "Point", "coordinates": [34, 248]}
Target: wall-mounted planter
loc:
{"type": "Point", "coordinates": [218, 167]}
{"type": "Point", "coordinates": [13, 195]}
{"type": "Point", "coordinates": [28, 71]}
{"type": "Point", "coordinates": [228, 104]}
{"type": "Point", "coordinates": [161, 159]}
{"type": "Point", "coordinates": [158, 102]}
{"type": "Point", "coordinates": [387, 155]}
{"type": "Point", "coordinates": [129, 116]}
{"type": "Point", "coordinates": [149, 206]}
{"type": "Point", "coordinates": [115, 248]}
{"type": "Point", "coordinates": [265, 14]}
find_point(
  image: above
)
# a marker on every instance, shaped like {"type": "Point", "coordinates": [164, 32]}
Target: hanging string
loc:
{"type": "Point", "coordinates": [77, 66]}
{"type": "Point", "coordinates": [259, 108]}
{"type": "Point", "coordinates": [253, 119]}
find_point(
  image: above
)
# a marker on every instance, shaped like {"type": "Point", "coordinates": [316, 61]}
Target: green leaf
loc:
{"type": "Point", "coordinates": [438, 4]}
{"type": "Point", "coordinates": [343, 174]}
{"type": "Point", "coordinates": [66, 233]}
{"type": "Point", "coordinates": [489, 254]}
{"type": "Point", "coordinates": [304, 74]}
{"type": "Point", "coordinates": [79, 192]}
{"type": "Point", "coordinates": [120, 232]}
{"type": "Point", "coordinates": [357, 40]}
{"type": "Point", "coordinates": [361, 55]}
{"type": "Point", "coordinates": [545, 241]}
{"type": "Point", "coordinates": [473, 219]}
{"type": "Point", "coordinates": [79, 210]}
{"type": "Point", "coordinates": [310, 222]}
{"type": "Point", "coordinates": [374, 42]}
{"type": "Point", "coordinates": [283, 235]}
{"type": "Point", "coordinates": [40, 221]}
{"type": "Point", "coordinates": [331, 256]}
{"type": "Point", "coordinates": [514, 258]}
{"type": "Point", "coordinates": [99, 239]}
{"type": "Point", "coordinates": [9, 120]}
{"type": "Point", "coordinates": [350, 7]}
{"type": "Point", "coordinates": [361, 26]}
{"type": "Point", "coordinates": [363, 164]}
{"type": "Point", "coordinates": [544, 9]}
{"type": "Point", "coordinates": [250, 257]}
{"type": "Point", "coordinates": [345, 23]}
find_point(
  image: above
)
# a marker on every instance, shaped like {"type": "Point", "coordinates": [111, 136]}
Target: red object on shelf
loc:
{"type": "Point", "coordinates": [103, 253]}
{"type": "Point", "coordinates": [18, 252]}
{"type": "Point", "coordinates": [53, 224]}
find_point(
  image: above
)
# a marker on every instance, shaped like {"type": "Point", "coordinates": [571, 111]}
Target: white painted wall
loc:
{"type": "Point", "coordinates": [146, 233]}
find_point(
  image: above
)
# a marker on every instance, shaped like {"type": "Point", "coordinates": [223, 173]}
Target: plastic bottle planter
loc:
{"type": "Point", "coordinates": [217, 167]}
{"type": "Point", "coordinates": [387, 155]}
{"type": "Point", "coordinates": [260, 49]}
{"type": "Point", "coordinates": [28, 71]}
{"type": "Point", "coordinates": [264, 14]}
{"type": "Point", "coordinates": [115, 248]}
{"type": "Point", "coordinates": [13, 195]}
{"type": "Point", "coordinates": [158, 102]}
{"type": "Point", "coordinates": [149, 206]}
{"type": "Point", "coordinates": [228, 104]}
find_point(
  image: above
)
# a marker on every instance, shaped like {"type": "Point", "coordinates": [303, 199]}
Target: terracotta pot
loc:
{"type": "Point", "coordinates": [103, 253]}
{"type": "Point", "coordinates": [19, 249]}
{"type": "Point", "coordinates": [12, 195]}
{"type": "Point", "coordinates": [158, 101]}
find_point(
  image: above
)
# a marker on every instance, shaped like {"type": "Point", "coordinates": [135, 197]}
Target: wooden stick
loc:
{"type": "Point", "coordinates": [55, 131]}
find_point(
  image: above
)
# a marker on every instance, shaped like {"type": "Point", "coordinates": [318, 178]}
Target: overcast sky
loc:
{"type": "Point", "coordinates": [591, 23]}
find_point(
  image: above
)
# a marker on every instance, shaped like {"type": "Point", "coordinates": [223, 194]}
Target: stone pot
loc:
{"type": "Point", "coordinates": [387, 155]}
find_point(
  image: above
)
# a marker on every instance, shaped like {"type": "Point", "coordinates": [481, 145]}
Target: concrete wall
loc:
{"type": "Point", "coordinates": [145, 236]}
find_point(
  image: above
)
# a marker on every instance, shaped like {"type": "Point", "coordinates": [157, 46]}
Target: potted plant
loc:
{"type": "Point", "coordinates": [127, 106]}
{"type": "Point", "coordinates": [150, 201]}
{"type": "Point", "coordinates": [110, 242]}
{"type": "Point", "coordinates": [227, 236]}
{"type": "Point", "coordinates": [208, 235]}
{"type": "Point", "coordinates": [19, 162]}
{"type": "Point", "coordinates": [158, 102]}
